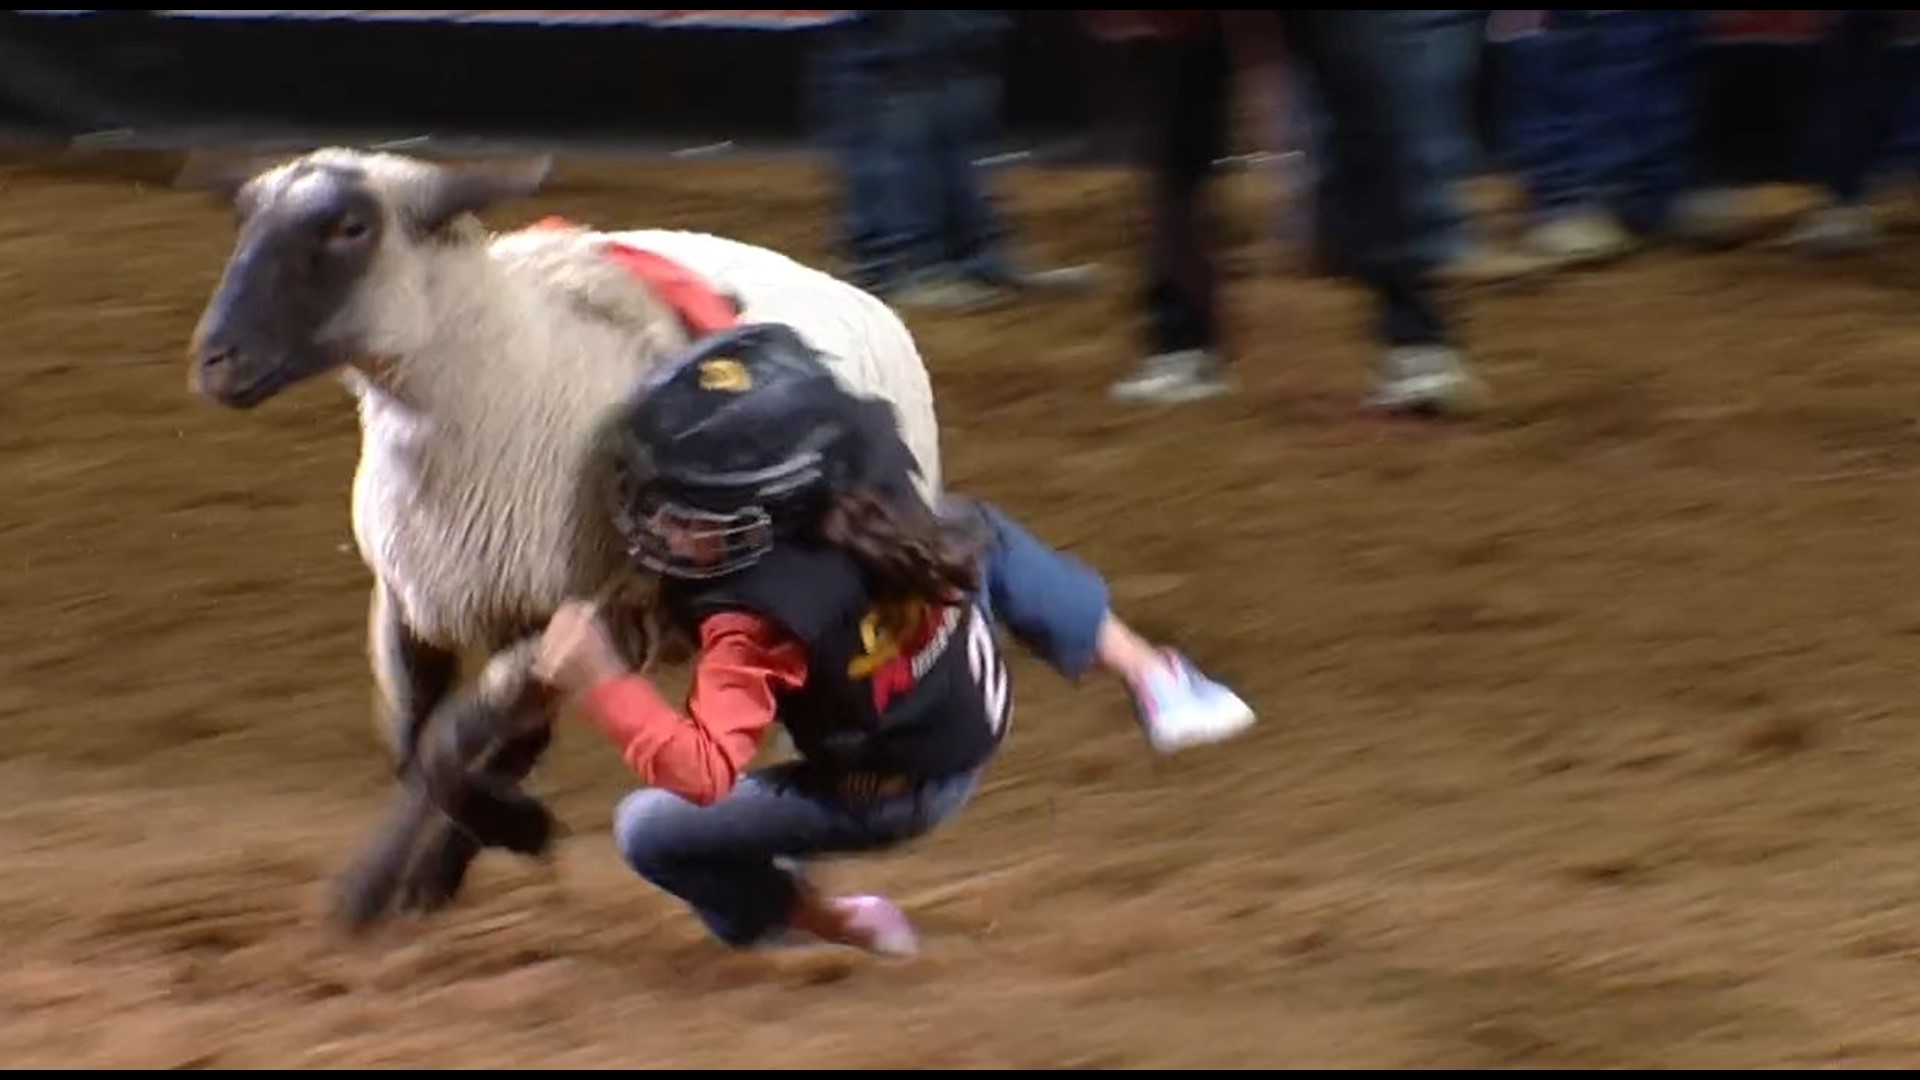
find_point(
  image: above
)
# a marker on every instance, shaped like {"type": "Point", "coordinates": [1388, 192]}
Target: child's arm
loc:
{"type": "Point", "coordinates": [699, 754]}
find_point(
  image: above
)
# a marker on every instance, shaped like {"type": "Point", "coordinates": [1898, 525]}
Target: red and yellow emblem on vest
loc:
{"type": "Point", "coordinates": [901, 646]}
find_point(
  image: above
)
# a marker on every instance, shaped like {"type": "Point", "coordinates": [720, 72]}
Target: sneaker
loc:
{"type": "Point", "coordinates": [1076, 278]}
{"type": "Point", "coordinates": [1484, 264]}
{"type": "Point", "coordinates": [1713, 217]}
{"type": "Point", "coordinates": [947, 294]}
{"type": "Point", "coordinates": [1836, 230]}
{"type": "Point", "coordinates": [877, 924]}
{"type": "Point", "coordinates": [1179, 707]}
{"type": "Point", "coordinates": [873, 924]}
{"type": "Point", "coordinates": [1173, 378]}
{"type": "Point", "coordinates": [1426, 379]}
{"type": "Point", "coordinates": [1580, 239]}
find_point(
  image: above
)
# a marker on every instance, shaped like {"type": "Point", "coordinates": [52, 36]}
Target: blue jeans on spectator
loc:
{"type": "Point", "coordinates": [1600, 110]}
{"type": "Point", "coordinates": [1357, 68]}
{"type": "Point", "coordinates": [1181, 94]}
{"type": "Point", "coordinates": [906, 103]}
{"type": "Point", "coordinates": [1859, 90]}
{"type": "Point", "coordinates": [721, 859]}
{"type": "Point", "coordinates": [1439, 54]}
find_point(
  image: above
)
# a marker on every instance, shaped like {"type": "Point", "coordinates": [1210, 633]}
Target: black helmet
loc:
{"type": "Point", "coordinates": [742, 439]}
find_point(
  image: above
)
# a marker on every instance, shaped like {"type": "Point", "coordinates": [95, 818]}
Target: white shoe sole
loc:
{"type": "Point", "coordinates": [1218, 727]}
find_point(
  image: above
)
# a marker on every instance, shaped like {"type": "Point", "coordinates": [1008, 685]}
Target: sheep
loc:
{"type": "Point", "coordinates": [483, 366]}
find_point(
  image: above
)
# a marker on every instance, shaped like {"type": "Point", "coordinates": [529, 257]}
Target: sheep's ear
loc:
{"type": "Point", "coordinates": [470, 189]}
{"type": "Point", "coordinates": [221, 175]}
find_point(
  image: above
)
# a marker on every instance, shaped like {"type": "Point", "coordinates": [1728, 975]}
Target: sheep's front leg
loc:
{"type": "Point", "coordinates": [471, 764]}
{"type": "Point", "coordinates": [461, 796]}
{"type": "Point", "coordinates": [414, 676]}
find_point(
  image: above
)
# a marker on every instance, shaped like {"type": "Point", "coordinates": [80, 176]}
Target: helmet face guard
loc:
{"type": "Point", "coordinates": [711, 531]}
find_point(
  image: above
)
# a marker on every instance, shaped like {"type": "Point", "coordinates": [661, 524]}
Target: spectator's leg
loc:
{"type": "Point", "coordinates": [846, 84]}
{"type": "Point", "coordinates": [953, 217]}
{"type": "Point", "coordinates": [1548, 110]}
{"type": "Point", "coordinates": [1438, 60]}
{"type": "Point", "coordinates": [1644, 78]}
{"type": "Point", "coordinates": [1332, 195]}
{"type": "Point", "coordinates": [1180, 92]}
{"type": "Point", "coordinates": [909, 105]}
{"type": "Point", "coordinates": [1353, 58]}
{"type": "Point", "coordinates": [1441, 51]}
{"type": "Point", "coordinates": [978, 241]}
{"type": "Point", "coordinates": [1853, 104]}
{"type": "Point", "coordinates": [1903, 143]}
{"type": "Point", "coordinates": [976, 236]}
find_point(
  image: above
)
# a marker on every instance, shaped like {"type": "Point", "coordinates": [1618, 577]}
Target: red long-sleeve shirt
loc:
{"type": "Point", "coordinates": [699, 755]}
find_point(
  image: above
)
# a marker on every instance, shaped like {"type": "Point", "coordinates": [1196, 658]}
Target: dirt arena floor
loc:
{"type": "Point", "coordinates": [1589, 733]}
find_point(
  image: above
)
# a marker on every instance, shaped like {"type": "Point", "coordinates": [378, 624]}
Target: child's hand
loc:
{"type": "Point", "coordinates": [575, 653]}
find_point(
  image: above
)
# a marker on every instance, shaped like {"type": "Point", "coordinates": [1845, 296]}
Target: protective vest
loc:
{"type": "Point", "coordinates": [922, 692]}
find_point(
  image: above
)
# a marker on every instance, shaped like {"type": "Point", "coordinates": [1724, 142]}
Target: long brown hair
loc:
{"type": "Point", "coordinates": [909, 552]}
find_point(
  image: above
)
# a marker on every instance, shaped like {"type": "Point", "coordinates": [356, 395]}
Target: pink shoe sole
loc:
{"type": "Point", "coordinates": [877, 925]}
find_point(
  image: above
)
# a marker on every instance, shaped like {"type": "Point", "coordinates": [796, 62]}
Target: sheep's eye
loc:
{"type": "Point", "coordinates": [347, 231]}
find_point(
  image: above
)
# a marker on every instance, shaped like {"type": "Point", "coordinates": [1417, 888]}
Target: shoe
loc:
{"type": "Point", "coordinates": [1580, 239]}
{"type": "Point", "coordinates": [1483, 264]}
{"type": "Point", "coordinates": [877, 924]}
{"type": "Point", "coordinates": [1075, 278]}
{"type": "Point", "coordinates": [1173, 378]}
{"type": "Point", "coordinates": [1836, 230]}
{"type": "Point", "coordinates": [1179, 707]}
{"type": "Point", "coordinates": [1713, 218]}
{"type": "Point", "coordinates": [872, 924]}
{"type": "Point", "coordinates": [1427, 380]}
{"type": "Point", "coordinates": [947, 294]}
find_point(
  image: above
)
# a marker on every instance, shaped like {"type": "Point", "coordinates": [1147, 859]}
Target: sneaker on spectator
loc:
{"type": "Point", "coordinates": [1715, 217]}
{"type": "Point", "coordinates": [1078, 277]}
{"type": "Point", "coordinates": [939, 293]}
{"type": "Point", "coordinates": [1487, 264]}
{"type": "Point", "coordinates": [1836, 230]}
{"type": "Point", "coordinates": [1578, 239]}
{"type": "Point", "coordinates": [1174, 378]}
{"type": "Point", "coordinates": [1428, 380]}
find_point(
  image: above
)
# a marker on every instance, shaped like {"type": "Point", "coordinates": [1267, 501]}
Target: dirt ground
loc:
{"type": "Point", "coordinates": [1588, 728]}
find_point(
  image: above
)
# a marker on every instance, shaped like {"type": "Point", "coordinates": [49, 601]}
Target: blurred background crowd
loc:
{"type": "Point", "coordinates": [1383, 121]}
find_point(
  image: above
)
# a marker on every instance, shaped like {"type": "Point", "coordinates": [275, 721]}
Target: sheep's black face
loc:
{"type": "Point", "coordinates": [307, 239]}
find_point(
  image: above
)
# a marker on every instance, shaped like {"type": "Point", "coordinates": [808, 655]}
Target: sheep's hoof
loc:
{"type": "Point", "coordinates": [366, 890]}
{"type": "Point", "coordinates": [490, 818]}
{"type": "Point", "coordinates": [437, 874]}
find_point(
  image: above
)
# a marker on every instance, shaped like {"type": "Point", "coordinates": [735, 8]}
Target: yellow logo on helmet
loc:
{"type": "Point", "coordinates": [725, 374]}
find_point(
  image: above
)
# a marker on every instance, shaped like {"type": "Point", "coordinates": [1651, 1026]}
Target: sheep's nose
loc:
{"type": "Point", "coordinates": [214, 366]}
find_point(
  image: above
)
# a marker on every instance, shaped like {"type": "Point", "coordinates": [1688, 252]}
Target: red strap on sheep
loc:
{"type": "Point", "coordinates": [700, 305]}
{"type": "Point", "coordinates": [704, 309]}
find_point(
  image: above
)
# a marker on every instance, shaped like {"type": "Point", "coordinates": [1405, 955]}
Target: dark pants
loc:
{"type": "Point", "coordinates": [1181, 92]}
{"type": "Point", "coordinates": [1440, 55]}
{"type": "Point", "coordinates": [722, 859]}
{"type": "Point", "coordinates": [1860, 87]}
{"type": "Point", "coordinates": [906, 103]}
{"type": "Point", "coordinates": [1599, 111]}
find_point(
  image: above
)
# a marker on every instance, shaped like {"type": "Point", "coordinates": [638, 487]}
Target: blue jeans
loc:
{"type": "Point", "coordinates": [1439, 55]}
{"type": "Point", "coordinates": [1860, 86]}
{"type": "Point", "coordinates": [721, 859]}
{"type": "Point", "coordinates": [906, 102]}
{"type": "Point", "coordinates": [1600, 111]}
